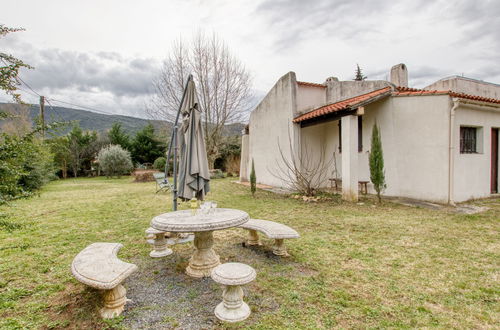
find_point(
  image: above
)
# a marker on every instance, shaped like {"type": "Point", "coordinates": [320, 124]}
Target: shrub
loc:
{"type": "Point", "coordinates": [39, 169]}
{"type": "Point", "coordinates": [253, 180]}
{"type": "Point", "coordinates": [159, 163]}
{"type": "Point", "coordinates": [114, 160]}
{"type": "Point", "coordinates": [216, 174]}
{"type": "Point", "coordinates": [25, 165]}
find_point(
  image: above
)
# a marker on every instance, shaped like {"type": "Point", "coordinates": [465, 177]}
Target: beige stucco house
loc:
{"type": "Point", "coordinates": [440, 143]}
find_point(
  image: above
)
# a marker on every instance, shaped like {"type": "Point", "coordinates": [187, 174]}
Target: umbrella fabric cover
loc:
{"type": "Point", "coordinates": [194, 176]}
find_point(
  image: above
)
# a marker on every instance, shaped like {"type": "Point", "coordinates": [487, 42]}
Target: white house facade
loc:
{"type": "Point", "coordinates": [440, 143]}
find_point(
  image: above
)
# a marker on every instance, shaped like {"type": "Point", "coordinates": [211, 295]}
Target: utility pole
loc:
{"type": "Point", "coordinates": [42, 115]}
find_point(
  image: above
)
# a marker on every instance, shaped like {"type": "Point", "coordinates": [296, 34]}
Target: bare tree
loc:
{"type": "Point", "coordinates": [222, 82]}
{"type": "Point", "coordinates": [303, 172]}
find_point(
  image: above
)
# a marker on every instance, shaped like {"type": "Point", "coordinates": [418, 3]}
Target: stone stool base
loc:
{"type": "Point", "coordinates": [114, 302]}
{"type": "Point", "coordinates": [279, 248]}
{"type": "Point", "coordinates": [253, 238]}
{"type": "Point", "coordinates": [232, 315]}
{"type": "Point", "coordinates": [159, 254]}
{"type": "Point", "coordinates": [160, 246]}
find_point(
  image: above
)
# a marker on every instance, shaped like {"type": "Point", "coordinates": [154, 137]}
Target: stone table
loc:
{"type": "Point", "coordinates": [204, 258]}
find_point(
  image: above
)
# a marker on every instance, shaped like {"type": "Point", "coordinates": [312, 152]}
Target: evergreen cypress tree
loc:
{"type": "Point", "coordinates": [377, 173]}
{"type": "Point", "coordinates": [253, 180]}
{"type": "Point", "coordinates": [359, 74]}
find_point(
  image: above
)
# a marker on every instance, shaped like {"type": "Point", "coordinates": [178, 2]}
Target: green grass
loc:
{"type": "Point", "coordinates": [355, 266]}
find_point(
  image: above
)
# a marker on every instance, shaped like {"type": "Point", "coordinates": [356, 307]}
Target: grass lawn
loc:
{"type": "Point", "coordinates": [355, 266]}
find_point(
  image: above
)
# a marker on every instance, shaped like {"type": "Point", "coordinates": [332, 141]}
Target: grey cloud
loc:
{"type": "Point", "coordinates": [109, 80]}
{"type": "Point", "coordinates": [296, 20]}
{"type": "Point", "coordinates": [480, 25]}
{"type": "Point", "coordinates": [57, 69]}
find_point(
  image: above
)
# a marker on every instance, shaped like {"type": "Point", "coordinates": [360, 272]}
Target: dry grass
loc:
{"type": "Point", "coordinates": [355, 266]}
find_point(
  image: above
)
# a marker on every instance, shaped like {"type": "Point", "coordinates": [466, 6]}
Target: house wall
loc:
{"type": "Point", "coordinates": [271, 126]}
{"type": "Point", "coordinates": [472, 172]}
{"type": "Point", "coordinates": [244, 160]}
{"type": "Point", "coordinates": [468, 86]}
{"type": "Point", "coordinates": [419, 147]}
{"type": "Point", "coordinates": [341, 90]}
{"type": "Point", "coordinates": [309, 97]}
{"type": "Point", "coordinates": [414, 133]}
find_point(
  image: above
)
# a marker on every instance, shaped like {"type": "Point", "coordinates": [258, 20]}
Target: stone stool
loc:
{"type": "Point", "coordinates": [233, 275]}
{"type": "Point", "coordinates": [160, 246]}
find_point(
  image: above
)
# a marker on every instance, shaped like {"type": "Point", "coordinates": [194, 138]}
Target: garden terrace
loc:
{"type": "Point", "coordinates": [355, 265]}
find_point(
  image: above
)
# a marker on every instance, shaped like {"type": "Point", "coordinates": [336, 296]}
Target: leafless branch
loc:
{"type": "Point", "coordinates": [223, 86]}
{"type": "Point", "coordinates": [301, 171]}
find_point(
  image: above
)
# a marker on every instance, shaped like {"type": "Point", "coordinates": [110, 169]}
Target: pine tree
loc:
{"type": "Point", "coordinates": [377, 173]}
{"type": "Point", "coordinates": [117, 136]}
{"type": "Point", "coordinates": [253, 180]}
{"type": "Point", "coordinates": [359, 74]}
{"type": "Point", "coordinates": [145, 146]}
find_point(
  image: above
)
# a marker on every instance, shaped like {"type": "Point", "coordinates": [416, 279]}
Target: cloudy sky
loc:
{"type": "Point", "coordinates": [104, 54]}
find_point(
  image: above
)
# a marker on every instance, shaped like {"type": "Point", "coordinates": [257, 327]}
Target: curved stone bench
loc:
{"type": "Point", "coordinates": [275, 230]}
{"type": "Point", "coordinates": [99, 267]}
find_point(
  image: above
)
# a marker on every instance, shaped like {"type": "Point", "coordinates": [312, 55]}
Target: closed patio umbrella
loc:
{"type": "Point", "coordinates": [194, 176]}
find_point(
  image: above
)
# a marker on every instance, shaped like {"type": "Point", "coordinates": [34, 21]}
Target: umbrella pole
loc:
{"type": "Point", "coordinates": [174, 137]}
{"type": "Point", "coordinates": [173, 141]}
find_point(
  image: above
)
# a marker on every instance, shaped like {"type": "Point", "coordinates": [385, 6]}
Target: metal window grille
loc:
{"type": "Point", "coordinates": [468, 140]}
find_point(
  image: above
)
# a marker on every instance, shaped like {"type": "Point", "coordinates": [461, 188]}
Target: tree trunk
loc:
{"type": "Point", "coordinates": [64, 169]}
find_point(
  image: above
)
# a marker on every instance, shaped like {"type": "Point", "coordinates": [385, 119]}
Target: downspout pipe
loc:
{"type": "Point", "coordinates": [451, 152]}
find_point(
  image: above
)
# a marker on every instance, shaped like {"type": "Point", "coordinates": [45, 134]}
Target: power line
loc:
{"type": "Point", "coordinates": [54, 110]}
{"type": "Point", "coordinates": [50, 104]}
{"type": "Point", "coordinates": [54, 100]}
{"type": "Point", "coordinates": [27, 91]}
{"type": "Point", "coordinates": [28, 85]}
{"type": "Point", "coordinates": [83, 107]}
{"type": "Point", "coordinates": [21, 79]}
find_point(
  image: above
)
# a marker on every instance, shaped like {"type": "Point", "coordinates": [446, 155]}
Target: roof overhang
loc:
{"type": "Point", "coordinates": [477, 105]}
{"type": "Point", "coordinates": [333, 111]}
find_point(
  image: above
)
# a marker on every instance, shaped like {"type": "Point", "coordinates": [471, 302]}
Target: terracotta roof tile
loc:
{"type": "Point", "coordinates": [347, 104]}
{"type": "Point", "coordinates": [354, 102]}
{"type": "Point", "coordinates": [406, 91]}
{"type": "Point", "coordinates": [303, 83]}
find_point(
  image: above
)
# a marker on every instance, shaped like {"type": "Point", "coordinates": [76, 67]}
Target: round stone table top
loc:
{"type": "Point", "coordinates": [233, 273]}
{"type": "Point", "coordinates": [184, 222]}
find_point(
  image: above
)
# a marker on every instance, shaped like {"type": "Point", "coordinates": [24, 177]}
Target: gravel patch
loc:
{"type": "Point", "coordinates": [164, 297]}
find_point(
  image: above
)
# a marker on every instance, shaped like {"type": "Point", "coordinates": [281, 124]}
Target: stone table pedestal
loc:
{"type": "Point", "coordinates": [204, 258]}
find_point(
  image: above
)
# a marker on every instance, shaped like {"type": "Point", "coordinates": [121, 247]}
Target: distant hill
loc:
{"type": "Point", "coordinates": [102, 123]}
